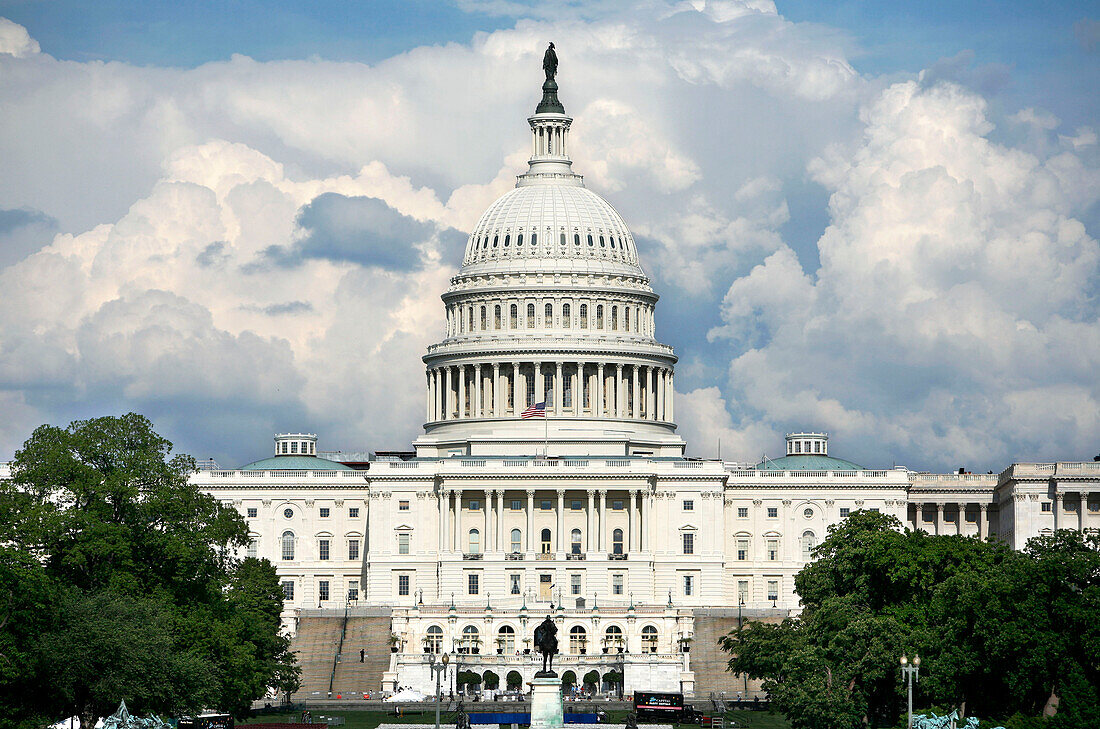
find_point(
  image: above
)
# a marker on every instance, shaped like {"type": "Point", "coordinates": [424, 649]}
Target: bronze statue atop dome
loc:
{"type": "Point", "coordinates": [550, 63]}
{"type": "Point", "coordinates": [550, 103]}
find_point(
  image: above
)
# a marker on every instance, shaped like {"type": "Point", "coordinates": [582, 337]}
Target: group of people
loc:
{"type": "Point", "coordinates": [307, 717]}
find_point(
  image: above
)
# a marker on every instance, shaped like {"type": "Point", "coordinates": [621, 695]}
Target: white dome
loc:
{"type": "Point", "coordinates": [551, 221]}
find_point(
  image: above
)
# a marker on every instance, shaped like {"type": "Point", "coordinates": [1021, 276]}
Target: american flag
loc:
{"type": "Point", "coordinates": [538, 410]}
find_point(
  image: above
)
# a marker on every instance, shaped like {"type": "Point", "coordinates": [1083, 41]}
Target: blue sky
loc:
{"type": "Point", "coordinates": [875, 218]}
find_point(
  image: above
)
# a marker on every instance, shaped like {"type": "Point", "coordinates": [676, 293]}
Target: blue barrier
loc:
{"type": "Point", "coordinates": [505, 717]}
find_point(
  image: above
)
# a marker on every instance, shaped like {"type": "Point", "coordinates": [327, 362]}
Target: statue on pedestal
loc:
{"type": "Point", "coordinates": [546, 641]}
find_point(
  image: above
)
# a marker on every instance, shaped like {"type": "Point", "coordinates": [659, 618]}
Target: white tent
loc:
{"type": "Point", "coordinates": [407, 694]}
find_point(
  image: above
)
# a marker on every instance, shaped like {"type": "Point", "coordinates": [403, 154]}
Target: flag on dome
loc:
{"type": "Point", "coordinates": [538, 410]}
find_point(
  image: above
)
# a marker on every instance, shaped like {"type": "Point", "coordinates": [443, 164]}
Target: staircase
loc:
{"type": "Point", "coordinates": [369, 633]}
{"type": "Point", "coordinates": [315, 645]}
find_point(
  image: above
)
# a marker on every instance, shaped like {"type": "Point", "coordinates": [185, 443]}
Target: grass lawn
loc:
{"type": "Point", "coordinates": [371, 719]}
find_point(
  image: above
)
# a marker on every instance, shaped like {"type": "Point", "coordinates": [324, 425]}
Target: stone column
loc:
{"type": "Point", "coordinates": [601, 520]}
{"type": "Point", "coordinates": [487, 504]}
{"type": "Point", "coordinates": [660, 394]}
{"type": "Point", "coordinates": [620, 392]}
{"type": "Point", "coordinates": [590, 536]}
{"type": "Point", "coordinates": [500, 522]}
{"type": "Point", "coordinates": [458, 521]}
{"type": "Point", "coordinates": [939, 517]}
{"type": "Point", "coordinates": [498, 410]}
{"type": "Point", "coordinates": [475, 411]}
{"type": "Point", "coordinates": [643, 533]}
{"type": "Point", "coordinates": [516, 409]}
{"type": "Point", "coordinates": [1082, 504]}
{"type": "Point", "coordinates": [635, 394]}
{"type": "Point", "coordinates": [561, 520]}
{"type": "Point", "coordinates": [540, 394]}
{"type": "Point", "coordinates": [982, 515]}
{"type": "Point", "coordinates": [530, 518]}
{"type": "Point", "coordinates": [428, 397]}
{"type": "Point", "coordinates": [628, 543]}
{"type": "Point", "coordinates": [1056, 507]}
{"type": "Point", "coordinates": [559, 389]}
{"type": "Point", "coordinates": [650, 393]}
{"type": "Point", "coordinates": [461, 410]}
{"type": "Point", "coordinates": [599, 390]}
{"type": "Point", "coordinates": [578, 391]}
{"type": "Point", "coordinates": [443, 500]}
{"type": "Point", "coordinates": [960, 517]}
{"type": "Point", "coordinates": [447, 409]}
{"type": "Point", "coordinates": [437, 395]}
{"type": "Point", "coordinates": [670, 409]}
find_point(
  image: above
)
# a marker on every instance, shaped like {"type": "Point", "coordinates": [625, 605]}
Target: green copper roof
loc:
{"type": "Point", "coordinates": [295, 463]}
{"type": "Point", "coordinates": [807, 462]}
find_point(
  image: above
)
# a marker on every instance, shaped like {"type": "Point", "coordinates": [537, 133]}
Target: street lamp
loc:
{"type": "Point", "coordinates": [910, 672]}
{"type": "Point", "coordinates": [438, 667]}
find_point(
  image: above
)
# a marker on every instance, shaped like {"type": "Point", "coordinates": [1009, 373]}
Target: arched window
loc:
{"type": "Point", "coordinates": [649, 639]}
{"type": "Point", "coordinates": [496, 316]}
{"type": "Point", "coordinates": [530, 316]}
{"type": "Point", "coordinates": [517, 539]}
{"type": "Point", "coordinates": [599, 316]}
{"type": "Point", "coordinates": [613, 641]}
{"type": "Point", "coordinates": [602, 244]}
{"type": "Point", "coordinates": [614, 318]}
{"type": "Point", "coordinates": [566, 316]}
{"type": "Point", "coordinates": [483, 320]}
{"type": "Point", "coordinates": [475, 541]}
{"type": "Point", "coordinates": [584, 316]}
{"type": "Point", "coordinates": [506, 640]}
{"type": "Point", "coordinates": [576, 239]}
{"type": "Point", "coordinates": [471, 317]}
{"type": "Point", "coordinates": [626, 318]}
{"type": "Point", "coordinates": [534, 239]}
{"type": "Point", "coordinates": [809, 541]}
{"type": "Point", "coordinates": [519, 239]}
{"type": "Point", "coordinates": [545, 539]}
{"type": "Point", "coordinates": [562, 241]}
{"type": "Point", "coordinates": [288, 546]}
{"type": "Point", "coordinates": [507, 240]}
{"type": "Point", "coordinates": [637, 316]}
{"type": "Point", "coordinates": [496, 239]}
{"type": "Point", "coordinates": [612, 239]}
{"type": "Point", "coordinates": [578, 640]}
{"type": "Point", "coordinates": [575, 541]}
{"type": "Point", "coordinates": [548, 316]}
{"type": "Point", "coordinates": [617, 541]}
{"type": "Point", "coordinates": [513, 317]}
{"type": "Point", "coordinates": [433, 640]}
{"type": "Point", "coordinates": [470, 640]}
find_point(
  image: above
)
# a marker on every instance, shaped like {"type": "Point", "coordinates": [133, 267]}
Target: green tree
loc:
{"type": "Point", "coordinates": [591, 679]}
{"type": "Point", "coordinates": [514, 680]}
{"type": "Point", "coordinates": [568, 679]}
{"type": "Point", "coordinates": [144, 597]}
{"type": "Point", "coordinates": [491, 680]}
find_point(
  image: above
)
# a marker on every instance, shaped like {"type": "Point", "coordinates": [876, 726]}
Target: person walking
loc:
{"type": "Point", "coordinates": [362, 654]}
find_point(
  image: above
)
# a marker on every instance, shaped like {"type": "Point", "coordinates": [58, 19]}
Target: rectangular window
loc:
{"type": "Point", "coordinates": [514, 580]}
{"type": "Point", "coordinates": [773, 512]}
{"type": "Point", "coordinates": [353, 512]}
{"type": "Point", "coordinates": [472, 583]}
{"type": "Point", "coordinates": [1094, 506]}
{"type": "Point", "coordinates": [252, 548]}
{"type": "Point", "coordinates": [324, 512]}
{"type": "Point", "coordinates": [689, 543]}
{"type": "Point", "coordinates": [322, 590]}
{"type": "Point", "coordinates": [322, 549]}
{"type": "Point", "coordinates": [742, 592]}
{"type": "Point", "coordinates": [689, 585]}
{"type": "Point", "coordinates": [617, 504]}
{"type": "Point", "coordinates": [773, 590]}
{"type": "Point", "coordinates": [773, 550]}
{"type": "Point", "coordinates": [545, 505]}
{"type": "Point", "coordinates": [742, 512]}
{"type": "Point", "coordinates": [616, 584]}
{"type": "Point", "coordinates": [404, 506]}
{"type": "Point", "coordinates": [252, 512]}
{"type": "Point", "coordinates": [574, 584]}
{"type": "Point", "coordinates": [844, 512]}
{"type": "Point", "coordinates": [403, 543]}
{"type": "Point", "coordinates": [288, 590]}
{"type": "Point", "coordinates": [970, 516]}
{"type": "Point", "coordinates": [353, 549]}
{"type": "Point", "coordinates": [402, 584]}
{"type": "Point", "coordinates": [1045, 506]}
{"type": "Point", "coordinates": [742, 549]}
{"type": "Point", "coordinates": [689, 505]}
{"type": "Point", "coordinates": [474, 505]}
{"type": "Point", "coordinates": [575, 505]}
{"type": "Point", "coordinates": [517, 505]}
{"type": "Point", "coordinates": [874, 509]}
{"type": "Point", "coordinates": [353, 590]}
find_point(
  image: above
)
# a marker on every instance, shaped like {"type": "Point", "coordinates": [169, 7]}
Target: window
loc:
{"type": "Point", "coordinates": [970, 516]}
{"type": "Point", "coordinates": [251, 548]}
{"type": "Point", "coordinates": [689, 505]}
{"type": "Point", "coordinates": [575, 541]}
{"type": "Point", "coordinates": [742, 512]}
{"type": "Point", "coordinates": [474, 505]}
{"type": "Point", "coordinates": [617, 541]}
{"type": "Point", "coordinates": [530, 316]}
{"type": "Point", "coordinates": [483, 321]}
{"type": "Point", "coordinates": [545, 541]}
{"type": "Point", "coordinates": [353, 512]}
{"type": "Point", "coordinates": [534, 239]}
{"type": "Point", "coordinates": [844, 512]}
{"type": "Point", "coordinates": [1046, 506]}
{"type": "Point", "coordinates": [402, 505]}
{"type": "Point", "coordinates": [506, 639]}
{"type": "Point", "coordinates": [433, 639]}
{"type": "Point", "coordinates": [288, 513]}
{"type": "Point", "coordinates": [742, 592]}
{"type": "Point", "coordinates": [353, 590]}
{"type": "Point", "coordinates": [288, 546]}
{"type": "Point", "coordinates": [584, 316]}
{"type": "Point", "coordinates": [1094, 506]}
{"type": "Point", "coordinates": [519, 239]}
{"type": "Point", "coordinates": [617, 504]}
{"type": "Point", "coordinates": [353, 549]}
{"type": "Point", "coordinates": [252, 512]}
{"type": "Point", "coordinates": [626, 318]}
{"type": "Point", "coordinates": [514, 580]}
{"type": "Point", "coordinates": [603, 243]}
{"type": "Point", "coordinates": [517, 546]}
{"type": "Point", "coordinates": [475, 541]}
{"type": "Point", "coordinates": [567, 391]}
{"type": "Point", "coordinates": [689, 585]}
{"type": "Point", "coordinates": [809, 541]}
{"type": "Point", "coordinates": [322, 549]}
{"type": "Point", "coordinates": [578, 640]}
{"type": "Point", "coordinates": [496, 316]}
{"type": "Point", "coordinates": [574, 584]}
{"type": "Point", "coordinates": [614, 317]}
{"type": "Point", "coordinates": [773, 590]}
{"type": "Point", "coordinates": [575, 505]}
{"type": "Point", "coordinates": [548, 315]}
{"type": "Point", "coordinates": [808, 513]}
{"type": "Point", "coordinates": [616, 584]}
{"type": "Point", "coordinates": [742, 548]}
{"type": "Point", "coordinates": [472, 583]}
{"type": "Point", "coordinates": [288, 590]}
{"type": "Point", "coordinates": [613, 639]}
{"type": "Point", "coordinates": [513, 317]}
{"type": "Point", "coordinates": [402, 584]}
{"type": "Point", "coordinates": [773, 512]}
{"type": "Point", "coordinates": [599, 316]}
{"type": "Point", "coordinates": [470, 640]}
{"type": "Point", "coordinates": [545, 505]}
{"type": "Point", "coordinates": [576, 239]}
{"type": "Point", "coordinates": [689, 543]}
{"type": "Point", "coordinates": [322, 590]}
{"type": "Point", "coordinates": [566, 316]}
{"type": "Point", "coordinates": [590, 243]}
{"type": "Point", "coordinates": [773, 550]}
{"type": "Point", "coordinates": [294, 446]}
{"type": "Point", "coordinates": [403, 540]}
{"type": "Point", "coordinates": [516, 505]}
{"type": "Point", "coordinates": [649, 639]}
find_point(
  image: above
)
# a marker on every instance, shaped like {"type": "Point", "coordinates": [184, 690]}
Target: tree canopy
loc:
{"type": "Point", "coordinates": [998, 631]}
{"type": "Point", "coordinates": [127, 577]}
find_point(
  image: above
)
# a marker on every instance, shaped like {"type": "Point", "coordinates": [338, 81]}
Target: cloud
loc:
{"type": "Point", "coordinates": [16, 41]}
{"type": "Point", "coordinates": [22, 232]}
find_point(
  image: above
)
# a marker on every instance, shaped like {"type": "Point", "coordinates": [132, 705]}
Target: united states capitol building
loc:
{"type": "Point", "coordinates": [592, 514]}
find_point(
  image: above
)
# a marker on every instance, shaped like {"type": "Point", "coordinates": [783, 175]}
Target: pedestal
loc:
{"type": "Point", "coordinates": [546, 704]}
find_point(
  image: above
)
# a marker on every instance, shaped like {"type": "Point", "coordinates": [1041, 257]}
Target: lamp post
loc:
{"type": "Point", "coordinates": [438, 667]}
{"type": "Point", "coordinates": [910, 672]}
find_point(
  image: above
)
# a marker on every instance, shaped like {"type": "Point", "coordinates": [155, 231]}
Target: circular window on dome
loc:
{"type": "Point", "coordinates": [808, 513]}
{"type": "Point", "coordinates": [288, 513]}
